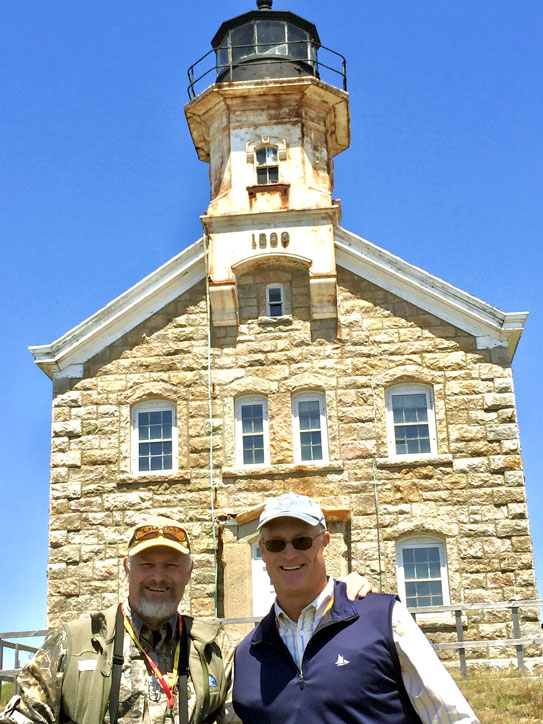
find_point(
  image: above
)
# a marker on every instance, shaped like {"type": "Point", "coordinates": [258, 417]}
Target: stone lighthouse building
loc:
{"type": "Point", "coordinates": [281, 352]}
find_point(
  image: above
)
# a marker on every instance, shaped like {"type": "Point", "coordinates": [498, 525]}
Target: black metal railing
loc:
{"type": "Point", "coordinates": [205, 66]}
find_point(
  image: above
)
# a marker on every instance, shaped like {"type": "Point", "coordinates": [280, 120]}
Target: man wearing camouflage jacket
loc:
{"type": "Point", "coordinates": [70, 678]}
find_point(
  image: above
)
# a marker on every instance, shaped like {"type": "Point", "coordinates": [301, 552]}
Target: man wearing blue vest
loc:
{"type": "Point", "coordinates": [318, 657]}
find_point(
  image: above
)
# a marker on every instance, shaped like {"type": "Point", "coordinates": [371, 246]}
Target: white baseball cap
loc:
{"type": "Point", "coordinates": [292, 505]}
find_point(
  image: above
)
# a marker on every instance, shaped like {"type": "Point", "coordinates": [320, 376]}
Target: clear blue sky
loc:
{"type": "Point", "coordinates": [100, 184]}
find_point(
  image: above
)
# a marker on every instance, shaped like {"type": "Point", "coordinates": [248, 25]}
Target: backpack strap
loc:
{"type": "Point", "coordinates": [182, 690]}
{"type": "Point", "coordinates": [118, 660]}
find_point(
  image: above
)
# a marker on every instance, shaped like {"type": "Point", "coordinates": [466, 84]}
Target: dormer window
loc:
{"type": "Point", "coordinates": [275, 300]}
{"type": "Point", "coordinates": [267, 165]}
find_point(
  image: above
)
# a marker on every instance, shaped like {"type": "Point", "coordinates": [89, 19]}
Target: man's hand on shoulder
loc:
{"type": "Point", "coordinates": [357, 586]}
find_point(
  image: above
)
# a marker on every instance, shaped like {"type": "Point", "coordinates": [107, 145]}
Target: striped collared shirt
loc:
{"type": "Point", "coordinates": [432, 691]}
{"type": "Point", "coordinates": [296, 634]}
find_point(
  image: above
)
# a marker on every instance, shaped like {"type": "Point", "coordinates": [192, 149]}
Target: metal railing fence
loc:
{"type": "Point", "coordinates": [461, 644]}
{"type": "Point", "coordinates": [198, 71]}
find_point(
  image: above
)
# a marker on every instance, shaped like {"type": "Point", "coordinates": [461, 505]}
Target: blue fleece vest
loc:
{"type": "Point", "coordinates": [365, 688]}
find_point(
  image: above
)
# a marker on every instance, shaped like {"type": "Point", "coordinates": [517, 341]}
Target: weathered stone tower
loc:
{"type": "Point", "coordinates": [282, 352]}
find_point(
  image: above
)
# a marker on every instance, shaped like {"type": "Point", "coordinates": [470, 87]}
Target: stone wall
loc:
{"type": "Point", "coordinates": [471, 494]}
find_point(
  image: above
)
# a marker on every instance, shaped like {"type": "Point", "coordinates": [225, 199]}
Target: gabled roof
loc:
{"type": "Point", "coordinates": [66, 355]}
{"type": "Point", "coordinates": [491, 326]}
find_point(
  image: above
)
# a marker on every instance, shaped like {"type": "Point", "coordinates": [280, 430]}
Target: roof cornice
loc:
{"type": "Point", "coordinates": [488, 324]}
{"type": "Point", "coordinates": [69, 352]}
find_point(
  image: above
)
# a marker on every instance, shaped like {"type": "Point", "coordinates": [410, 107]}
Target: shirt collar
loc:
{"type": "Point", "coordinates": [319, 603]}
{"type": "Point", "coordinates": [144, 632]}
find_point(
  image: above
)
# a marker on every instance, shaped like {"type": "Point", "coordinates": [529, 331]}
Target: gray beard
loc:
{"type": "Point", "coordinates": [156, 611]}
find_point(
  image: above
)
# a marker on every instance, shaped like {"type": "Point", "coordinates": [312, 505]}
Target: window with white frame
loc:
{"type": "Point", "coordinates": [422, 572]}
{"type": "Point", "coordinates": [275, 300]}
{"type": "Point", "coordinates": [154, 437]}
{"type": "Point", "coordinates": [309, 427]}
{"type": "Point", "coordinates": [411, 427]}
{"type": "Point", "coordinates": [252, 431]}
{"type": "Point", "coordinates": [267, 165]}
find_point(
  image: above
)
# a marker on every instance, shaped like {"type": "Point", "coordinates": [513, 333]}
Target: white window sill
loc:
{"type": "Point", "coordinates": [284, 469]}
{"type": "Point", "coordinates": [413, 461]}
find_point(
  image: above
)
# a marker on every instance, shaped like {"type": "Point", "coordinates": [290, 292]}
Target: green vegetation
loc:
{"type": "Point", "coordinates": [505, 700]}
{"type": "Point", "coordinates": [6, 693]}
{"type": "Point", "coordinates": [494, 700]}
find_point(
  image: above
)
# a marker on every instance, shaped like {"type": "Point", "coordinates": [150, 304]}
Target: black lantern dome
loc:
{"type": "Point", "coordinates": [265, 43]}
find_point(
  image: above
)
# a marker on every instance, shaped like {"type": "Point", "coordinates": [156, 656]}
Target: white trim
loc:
{"type": "Point", "coordinates": [410, 388]}
{"type": "Point", "coordinates": [281, 302]}
{"type": "Point", "coordinates": [252, 400]}
{"type": "Point", "coordinates": [263, 592]}
{"type": "Point", "coordinates": [124, 313]}
{"type": "Point", "coordinates": [152, 406]}
{"type": "Point", "coordinates": [309, 397]}
{"type": "Point", "coordinates": [489, 324]}
{"type": "Point", "coordinates": [422, 542]}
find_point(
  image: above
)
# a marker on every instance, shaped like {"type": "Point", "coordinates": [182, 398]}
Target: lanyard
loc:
{"type": "Point", "coordinates": [167, 687]}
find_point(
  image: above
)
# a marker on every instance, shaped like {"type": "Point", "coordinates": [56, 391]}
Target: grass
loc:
{"type": "Point", "coordinates": [494, 700]}
{"type": "Point", "coordinates": [498, 700]}
{"type": "Point", "coordinates": [6, 693]}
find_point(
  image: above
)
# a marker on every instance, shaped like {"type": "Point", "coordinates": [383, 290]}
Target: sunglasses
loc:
{"type": "Point", "coordinates": [300, 543]}
{"type": "Point", "coordinates": [147, 532]}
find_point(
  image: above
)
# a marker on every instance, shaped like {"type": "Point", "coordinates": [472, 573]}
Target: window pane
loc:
{"type": "Point", "coordinates": [261, 156]}
{"type": "Point", "coordinates": [253, 449]}
{"type": "Point", "coordinates": [309, 414]}
{"type": "Point", "coordinates": [222, 53]}
{"type": "Point", "coordinates": [409, 408]}
{"type": "Point", "coordinates": [273, 174]}
{"type": "Point", "coordinates": [271, 154]}
{"type": "Point", "coordinates": [412, 439]}
{"type": "Point", "coordinates": [252, 418]}
{"type": "Point", "coordinates": [311, 446]}
{"type": "Point", "coordinates": [271, 37]}
{"type": "Point", "coordinates": [298, 46]}
{"type": "Point", "coordinates": [242, 41]}
{"type": "Point", "coordinates": [155, 432]}
{"type": "Point", "coordinates": [262, 175]}
{"type": "Point", "coordinates": [274, 294]}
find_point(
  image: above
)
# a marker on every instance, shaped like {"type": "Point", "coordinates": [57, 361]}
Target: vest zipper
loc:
{"type": "Point", "coordinates": [301, 678]}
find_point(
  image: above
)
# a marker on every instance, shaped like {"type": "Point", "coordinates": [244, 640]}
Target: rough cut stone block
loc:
{"type": "Point", "coordinates": [501, 463]}
{"type": "Point", "coordinates": [471, 465]}
{"type": "Point", "coordinates": [508, 528]}
{"type": "Point", "coordinates": [70, 428]}
{"type": "Point", "coordinates": [502, 432]}
{"type": "Point", "coordinates": [70, 459]}
{"type": "Point", "coordinates": [497, 401]}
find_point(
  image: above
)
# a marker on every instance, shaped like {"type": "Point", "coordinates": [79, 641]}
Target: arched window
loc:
{"type": "Point", "coordinates": [252, 430]}
{"type": "Point", "coordinates": [310, 432]}
{"type": "Point", "coordinates": [422, 571]}
{"type": "Point", "coordinates": [411, 428]}
{"type": "Point", "coordinates": [154, 437]}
